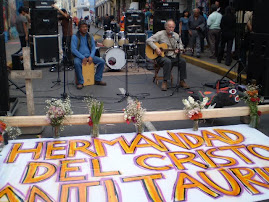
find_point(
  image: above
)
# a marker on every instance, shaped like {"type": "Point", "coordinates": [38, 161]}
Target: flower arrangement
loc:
{"type": "Point", "coordinates": [12, 132]}
{"type": "Point", "coordinates": [252, 99]}
{"type": "Point", "coordinates": [134, 112]}
{"type": "Point", "coordinates": [96, 108]}
{"type": "Point", "coordinates": [57, 112]}
{"type": "Point", "coordinates": [193, 109]}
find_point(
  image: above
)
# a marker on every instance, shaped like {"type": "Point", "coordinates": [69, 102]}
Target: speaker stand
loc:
{"type": "Point", "coordinates": [17, 87]}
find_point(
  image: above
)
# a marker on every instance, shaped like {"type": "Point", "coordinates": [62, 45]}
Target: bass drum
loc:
{"type": "Point", "coordinates": [108, 39]}
{"type": "Point", "coordinates": [115, 58]}
{"type": "Point", "coordinates": [121, 39]}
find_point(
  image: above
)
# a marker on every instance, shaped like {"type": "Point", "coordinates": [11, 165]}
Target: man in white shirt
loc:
{"type": "Point", "coordinates": [213, 23]}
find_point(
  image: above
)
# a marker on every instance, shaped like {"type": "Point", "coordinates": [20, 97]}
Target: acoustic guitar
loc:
{"type": "Point", "coordinates": [151, 54]}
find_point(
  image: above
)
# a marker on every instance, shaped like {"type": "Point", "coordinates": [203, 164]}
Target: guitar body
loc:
{"type": "Point", "coordinates": [151, 54]}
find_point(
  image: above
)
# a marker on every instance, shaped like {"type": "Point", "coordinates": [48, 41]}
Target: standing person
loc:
{"type": "Point", "coordinates": [228, 25]}
{"type": "Point", "coordinates": [196, 27]}
{"type": "Point", "coordinates": [106, 23]}
{"type": "Point", "coordinates": [213, 23]}
{"type": "Point", "coordinates": [96, 21]}
{"type": "Point", "coordinates": [21, 25]}
{"type": "Point", "coordinates": [66, 22]}
{"type": "Point", "coordinates": [173, 41]}
{"type": "Point", "coordinates": [184, 28]}
{"type": "Point", "coordinates": [88, 22]}
{"type": "Point", "coordinates": [147, 16]}
{"type": "Point", "coordinates": [83, 49]}
{"type": "Point", "coordinates": [122, 21]}
{"type": "Point", "coordinates": [205, 32]}
{"type": "Point", "coordinates": [219, 9]}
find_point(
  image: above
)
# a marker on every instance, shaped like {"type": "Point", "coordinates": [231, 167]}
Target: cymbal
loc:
{"type": "Point", "coordinates": [140, 42]}
{"type": "Point", "coordinates": [134, 26]}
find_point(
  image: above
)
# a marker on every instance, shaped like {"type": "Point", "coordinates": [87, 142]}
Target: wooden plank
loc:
{"type": "Point", "coordinates": [26, 74]}
{"type": "Point", "coordinates": [28, 82]}
{"type": "Point", "coordinates": [27, 121]}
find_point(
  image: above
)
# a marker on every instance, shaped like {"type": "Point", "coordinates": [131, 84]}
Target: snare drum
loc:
{"type": "Point", "coordinates": [108, 39]}
{"type": "Point", "coordinates": [115, 58]}
{"type": "Point", "coordinates": [121, 39]}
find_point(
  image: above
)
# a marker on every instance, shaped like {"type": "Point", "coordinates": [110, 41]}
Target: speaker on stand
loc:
{"type": "Point", "coordinates": [258, 61]}
{"type": "Point", "coordinates": [165, 11]}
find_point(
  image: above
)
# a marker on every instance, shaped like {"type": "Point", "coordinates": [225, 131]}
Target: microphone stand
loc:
{"type": "Point", "coordinates": [177, 85]}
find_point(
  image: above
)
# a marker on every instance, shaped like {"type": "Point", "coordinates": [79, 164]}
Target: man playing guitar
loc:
{"type": "Point", "coordinates": [174, 44]}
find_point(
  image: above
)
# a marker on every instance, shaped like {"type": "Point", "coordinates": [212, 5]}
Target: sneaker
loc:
{"type": "Point", "coordinates": [164, 86]}
{"type": "Point", "coordinates": [100, 83]}
{"type": "Point", "coordinates": [198, 55]}
{"type": "Point", "coordinates": [184, 85]}
{"type": "Point", "coordinates": [79, 86]}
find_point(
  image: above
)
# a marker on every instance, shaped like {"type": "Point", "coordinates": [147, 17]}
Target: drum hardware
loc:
{"type": "Point", "coordinates": [115, 58]}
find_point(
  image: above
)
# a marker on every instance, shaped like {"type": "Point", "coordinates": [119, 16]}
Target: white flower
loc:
{"type": "Point", "coordinates": [205, 100]}
{"type": "Point", "coordinates": [191, 100]}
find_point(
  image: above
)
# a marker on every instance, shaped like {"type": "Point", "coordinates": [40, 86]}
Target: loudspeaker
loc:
{"type": "Point", "coordinates": [258, 61]}
{"type": "Point", "coordinates": [161, 16]}
{"type": "Point", "coordinates": [41, 4]}
{"type": "Point", "coordinates": [141, 46]}
{"type": "Point", "coordinates": [17, 62]}
{"type": "Point", "coordinates": [167, 5]}
{"type": "Point", "coordinates": [260, 15]}
{"type": "Point", "coordinates": [44, 22]}
{"type": "Point", "coordinates": [4, 87]}
{"type": "Point", "coordinates": [45, 49]}
{"type": "Point", "coordinates": [134, 22]}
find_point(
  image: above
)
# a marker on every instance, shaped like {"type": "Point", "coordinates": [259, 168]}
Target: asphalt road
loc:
{"type": "Point", "coordinates": [140, 85]}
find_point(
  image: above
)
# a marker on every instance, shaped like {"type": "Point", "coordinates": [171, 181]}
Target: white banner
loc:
{"type": "Point", "coordinates": [226, 163]}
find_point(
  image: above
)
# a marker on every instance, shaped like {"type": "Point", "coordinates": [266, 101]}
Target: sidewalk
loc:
{"type": "Point", "coordinates": [212, 65]}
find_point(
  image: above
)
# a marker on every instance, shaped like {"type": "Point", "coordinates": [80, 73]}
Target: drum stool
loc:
{"type": "Point", "coordinates": [156, 78]}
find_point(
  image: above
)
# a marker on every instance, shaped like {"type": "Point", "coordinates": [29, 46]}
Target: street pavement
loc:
{"type": "Point", "coordinates": [140, 84]}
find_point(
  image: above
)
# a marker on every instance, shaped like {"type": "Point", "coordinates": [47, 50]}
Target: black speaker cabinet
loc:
{"type": "Point", "coordinates": [45, 49]}
{"type": "Point", "coordinates": [17, 61]}
{"type": "Point", "coordinates": [161, 16]}
{"type": "Point", "coordinates": [4, 87]}
{"type": "Point", "coordinates": [41, 4]}
{"type": "Point", "coordinates": [134, 22]}
{"type": "Point", "coordinates": [44, 22]}
{"type": "Point", "coordinates": [141, 45]}
{"type": "Point", "coordinates": [258, 61]}
{"type": "Point", "coordinates": [167, 5]}
{"type": "Point", "coordinates": [260, 13]}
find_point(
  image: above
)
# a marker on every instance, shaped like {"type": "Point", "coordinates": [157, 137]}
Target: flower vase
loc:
{"type": "Point", "coordinates": [195, 125]}
{"type": "Point", "coordinates": [139, 128]}
{"type": "Point", "coordinates": [56, 131]}
{"type": "Point", "coordinates": [254, 121]}
{"type": "Point", "coordinates": [95, 130]}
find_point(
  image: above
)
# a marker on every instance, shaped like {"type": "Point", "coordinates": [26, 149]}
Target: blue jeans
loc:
{"type": "Point", "coordinates": [98, 73]}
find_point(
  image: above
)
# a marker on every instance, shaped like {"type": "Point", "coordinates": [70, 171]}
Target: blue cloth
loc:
{"type": "Point", "coordinates": [185, 25]}
{"type": "Point", "coordinates": [83, 51]}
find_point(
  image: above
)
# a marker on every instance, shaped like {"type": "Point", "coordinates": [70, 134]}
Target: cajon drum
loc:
{"type": "Point", "coordinates": [88, 73]}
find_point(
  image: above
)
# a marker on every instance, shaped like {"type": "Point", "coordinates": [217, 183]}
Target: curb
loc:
{"type": "Point", "coordinates": [211, 67]}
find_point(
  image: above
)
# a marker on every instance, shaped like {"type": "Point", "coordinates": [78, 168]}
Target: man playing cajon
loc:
{"type": "Point", "coordinates": [83, 49]}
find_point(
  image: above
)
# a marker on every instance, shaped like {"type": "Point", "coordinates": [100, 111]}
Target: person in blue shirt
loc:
{"type": "Point", "coordinates": [184, 28]}
{"type": "Point", "coordinates": [83, 49]}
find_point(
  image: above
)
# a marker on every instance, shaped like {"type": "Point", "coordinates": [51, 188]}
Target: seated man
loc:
{"type": "Point", "coordinates": [83, 49]}
{"type": "Point", "coordinates": [173, 41]}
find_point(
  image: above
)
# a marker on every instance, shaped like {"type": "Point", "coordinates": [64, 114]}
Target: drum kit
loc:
{"type": "Point", "coordinates": [118, 45]}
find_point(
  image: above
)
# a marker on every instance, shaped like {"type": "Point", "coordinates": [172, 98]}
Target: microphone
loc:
{"type": "Point", "coordinates": [174, 36]}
